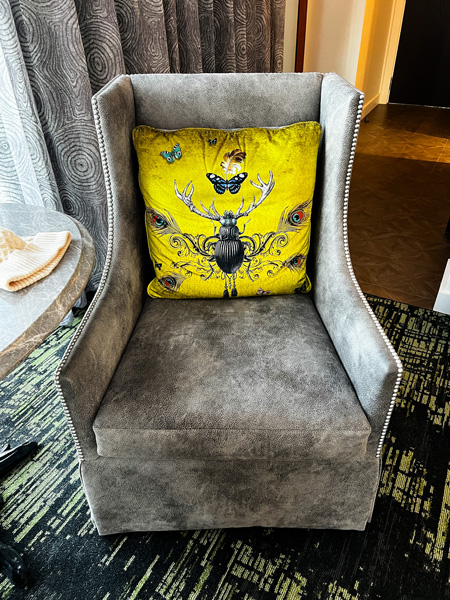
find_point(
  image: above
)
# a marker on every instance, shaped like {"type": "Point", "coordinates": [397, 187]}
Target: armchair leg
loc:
{"type": "Point", "coordinates": [10, 457]}
{"type": "Point", "coordinates": [11, 563]}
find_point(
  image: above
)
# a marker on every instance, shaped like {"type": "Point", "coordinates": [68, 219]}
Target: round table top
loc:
{"type": "Point", "coordinates": [29, 315]}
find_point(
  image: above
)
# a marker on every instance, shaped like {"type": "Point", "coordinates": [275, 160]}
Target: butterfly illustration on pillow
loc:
{"type": "Point", "coordinates": [212, 142]}
{"type": "Point", "coordinates": [231, 164]}
{"type": "Point", "coordinates": [221, 185]}
{"type": "Point", "coordinates": [262, 292]}
{"type": "Point", "coordinates": [171, 156]}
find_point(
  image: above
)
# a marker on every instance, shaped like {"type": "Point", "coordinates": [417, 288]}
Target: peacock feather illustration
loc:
{"type": "Point", "coordinates": [161, 222]}
{"type": "Point", "coordinates": [295, 218]}
{"type": "Point", "coordinates": [172, 281]}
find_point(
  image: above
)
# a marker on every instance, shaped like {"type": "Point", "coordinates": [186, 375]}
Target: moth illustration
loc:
{"type": "Point", "coordinates": [262, 292]}
{"type": "Point", "coordinates": [171, 156]}
{"type": "Point", "coordinates": [221, 185]}
{"type": "Point", "coordinates": [212, 142]}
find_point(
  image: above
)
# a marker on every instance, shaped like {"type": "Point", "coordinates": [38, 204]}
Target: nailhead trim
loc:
{"type": "Point", "coordinates": [108, 265]}
{"type": "Point", "coordinates": [356, 284]}
{"type": "Point", "coordinates": [106, 268]}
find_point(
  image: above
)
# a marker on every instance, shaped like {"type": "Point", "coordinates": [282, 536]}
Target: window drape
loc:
{"type": "Point", "coordinates": [54, 54]}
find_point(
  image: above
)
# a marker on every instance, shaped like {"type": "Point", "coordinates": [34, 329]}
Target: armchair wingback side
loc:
{"type": "Point", "coordinates": [266, 489]}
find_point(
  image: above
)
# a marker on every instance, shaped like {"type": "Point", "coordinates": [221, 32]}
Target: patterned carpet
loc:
{"type": "Point", "coordinates": [402, 555]}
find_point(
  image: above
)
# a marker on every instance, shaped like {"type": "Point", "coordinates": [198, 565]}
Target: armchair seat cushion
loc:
{"type": "Point", "coordinates": [209, 379]}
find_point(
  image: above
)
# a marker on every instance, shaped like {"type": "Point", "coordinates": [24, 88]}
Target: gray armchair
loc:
{"type": "Point", "coordinates": [228, 413]}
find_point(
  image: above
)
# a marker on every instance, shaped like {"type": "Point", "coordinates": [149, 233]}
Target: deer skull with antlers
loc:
{"type": "Point", "coordinates": [229, 250]}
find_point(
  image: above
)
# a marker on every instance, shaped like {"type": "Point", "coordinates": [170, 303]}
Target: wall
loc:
{"type": "Point", "coordinates": [379, 42]}
{"type": "Point", "coordinates": [356, 38]}
{"type": "Point", "coordinates": [333, 36]}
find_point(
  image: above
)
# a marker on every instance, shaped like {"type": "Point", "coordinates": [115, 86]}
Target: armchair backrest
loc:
{"type": "Point", "coordinates": [173, 101]}
{"type": "Point", "coordinates": [233, 100]}
{"type": "Point", "coordinates": [226, 101]}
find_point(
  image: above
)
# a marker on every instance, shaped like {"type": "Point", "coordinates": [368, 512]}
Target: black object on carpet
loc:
{"type": "Point", "coordinates": [402, 555]}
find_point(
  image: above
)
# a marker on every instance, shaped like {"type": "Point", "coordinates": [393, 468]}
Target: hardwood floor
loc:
{"type": "Point", "coordinates": [400, 203]}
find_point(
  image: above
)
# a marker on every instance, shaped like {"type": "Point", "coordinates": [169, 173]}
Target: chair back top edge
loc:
{"type": "Point", "coordinates": [226, 100]}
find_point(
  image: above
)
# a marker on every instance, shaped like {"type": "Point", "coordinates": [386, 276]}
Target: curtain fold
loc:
{"type": "Point", "coordinates": [26, 174]}
{"type": "Point", "coordinates": [54, 54]}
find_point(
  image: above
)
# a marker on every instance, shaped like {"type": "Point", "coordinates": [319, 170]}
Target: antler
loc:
{"type": "Point", "coordinates": [186, 196]}
{"type": "Point", "coordinates": [265, 188]}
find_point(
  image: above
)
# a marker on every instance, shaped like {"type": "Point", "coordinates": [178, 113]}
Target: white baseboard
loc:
{"type": "Point", "coordinates": [442, 303]}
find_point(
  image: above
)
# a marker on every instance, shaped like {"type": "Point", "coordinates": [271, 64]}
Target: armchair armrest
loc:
{"type": "Point", "coordinates": [366, 353]}
{"type": "Point", "coordinates": [92, 356]}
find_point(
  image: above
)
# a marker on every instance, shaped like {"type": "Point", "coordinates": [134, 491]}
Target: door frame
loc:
{"type": "Point", "coordinates": [301, 35]}
{"type": "Point", "coordinates": [391, 49]}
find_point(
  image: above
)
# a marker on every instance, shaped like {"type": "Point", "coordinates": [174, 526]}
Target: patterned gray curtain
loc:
{"type": "Point", "coordinates": [54, 54]}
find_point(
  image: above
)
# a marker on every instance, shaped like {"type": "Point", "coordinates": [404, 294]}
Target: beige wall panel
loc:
{"type": "Point", "coordinates": [333, 36]}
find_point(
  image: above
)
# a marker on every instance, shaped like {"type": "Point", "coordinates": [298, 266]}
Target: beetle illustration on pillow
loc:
{"type": "Point", "coordinates": [228, 250]}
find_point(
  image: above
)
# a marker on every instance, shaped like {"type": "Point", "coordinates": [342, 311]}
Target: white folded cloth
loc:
{"type": "Point", "coordinates": [26, 260]}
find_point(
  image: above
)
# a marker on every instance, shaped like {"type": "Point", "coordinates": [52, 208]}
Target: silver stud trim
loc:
{"type": "Point", "coordinates": [356, 284]}
{"type": "Point", "coordinates": [106, 268]}
{"type": "Point", "coordinates": [108, 265]}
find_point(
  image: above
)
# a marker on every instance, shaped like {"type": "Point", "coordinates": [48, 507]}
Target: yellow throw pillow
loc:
{"type": "Point", "coordinates": [228, 212]}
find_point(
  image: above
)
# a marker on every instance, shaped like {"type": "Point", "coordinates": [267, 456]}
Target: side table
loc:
{"type": "Point", "coordinates": [29, 315]}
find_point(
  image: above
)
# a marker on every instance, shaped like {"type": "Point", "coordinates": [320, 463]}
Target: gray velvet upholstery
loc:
{"type": "Point", "coordinates": [228, 413]}
{"type": "Point", "coordinates": [226, 100]}
{"type": "Point", "coordinates": [241, 381]}
{"type": "Point", "coordinates": [137, 495]}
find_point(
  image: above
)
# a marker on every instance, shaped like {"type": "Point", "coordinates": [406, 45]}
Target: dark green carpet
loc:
{"type": "Point", "coordinates": [402, 555]}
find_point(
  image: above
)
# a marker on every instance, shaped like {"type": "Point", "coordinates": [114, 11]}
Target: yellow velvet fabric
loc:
{"type": "Point", "coordinates": [228, 212]}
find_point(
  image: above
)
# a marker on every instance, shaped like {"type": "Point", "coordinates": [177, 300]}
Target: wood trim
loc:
{"type": "Point", "coordinates": [370, 104]}
{"type": "Point", "coordinates": [301, 35]}
{"type": "Point", "coordinates": [391, 50]}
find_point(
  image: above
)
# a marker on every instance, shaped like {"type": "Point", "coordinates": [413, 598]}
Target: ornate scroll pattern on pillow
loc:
{"type": "Point", "coordinates": [228, 212]}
